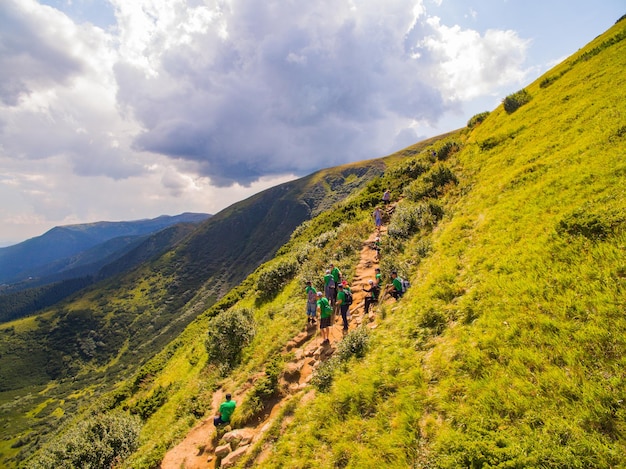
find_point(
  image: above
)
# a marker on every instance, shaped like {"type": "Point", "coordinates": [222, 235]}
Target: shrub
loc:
{"type": "Point", "coordinates": [322, 379]}
{"type": "Point", "coordinates": [447, 148]}
{"type": "Point", "coordinates": [409, 218]}
{"type": "Point", "coordinates": [263, 389]}
{"type": "Point", "coordinates": [273, 278]}
{"type": "Point", "coordinates": [514, 101]}
{"type": "Point", "coordinates": [477, 119]}
{"type": "Point", "coordinates": [596, 225]}
{"type": "Point", "coordinates": [148, 406]}
{"type": "Point", "coordinates": [354, 344]}
{"type": "Point", "coordinates": [102, 441]}
{"type": "Point", "coordinates": [227, 334]}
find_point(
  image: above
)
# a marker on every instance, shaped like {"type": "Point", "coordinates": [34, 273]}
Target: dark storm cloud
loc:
{"type": "Point", "coordinates": [288, 88]}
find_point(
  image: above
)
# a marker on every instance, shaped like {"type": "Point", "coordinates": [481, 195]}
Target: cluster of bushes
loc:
{"type": "Point", "coordinates": [227, 334]}
{"type": "Point", "coordinates": [102, 440]}
{"type": "Point", "coordinates": [355, 344]}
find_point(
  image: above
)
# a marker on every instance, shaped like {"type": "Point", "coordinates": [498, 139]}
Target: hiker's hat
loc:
{"type": "Point", "coordinates": [319, 293]}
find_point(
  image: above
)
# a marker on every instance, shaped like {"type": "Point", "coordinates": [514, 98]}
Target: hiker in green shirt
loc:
{"type": "Point", "coordinates": [343, 305]}
{"type": "Point", "coordinates": [378, 277]}
{"type": "Point", "coordinates": [395, 287]}
{"type": "Point", "coordinates": [226, 411]}
{"type": "Point", "coordinates": [325, 314]}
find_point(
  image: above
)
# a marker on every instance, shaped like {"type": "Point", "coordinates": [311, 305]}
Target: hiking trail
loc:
{"type": "Point", "coordinates": [197, 451]}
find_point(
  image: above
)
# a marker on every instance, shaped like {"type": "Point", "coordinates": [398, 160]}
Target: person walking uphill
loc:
{"type": "Point", "coordinates": [378, 218]}
{"type": "Point", "coordinates": [342, 301]}
{"type": "Point", "coordinates": [325, 314]}
{"type": "Point", "coordinates": [311, 303]}
{"type": "Point", "coordinates": [225, 412]}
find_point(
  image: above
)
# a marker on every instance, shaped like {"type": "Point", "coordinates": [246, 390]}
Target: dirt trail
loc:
{"type": "Point", "coordinates": [196, 451]}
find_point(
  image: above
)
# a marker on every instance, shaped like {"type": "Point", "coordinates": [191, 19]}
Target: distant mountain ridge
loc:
{"type": "Point", "coordinates": [64, 249]}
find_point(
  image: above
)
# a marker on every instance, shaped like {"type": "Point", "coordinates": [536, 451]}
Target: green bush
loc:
{"type": "Point", "coordinates": [100, 441]}
{"type": "Point", "coordinates": [322, 379]}
{"type": "Point", "coordinates": [354, 344]}
{"type": "Point", "coordinates": [477, 119]}
{"type": "Point", "coordinates": [591, 224]}
{"type": "Point", "coordinates": [514, 101]}
{"type": "Point", "coordinates": [149, 405]}
{"type": "Point", "coordinates": [272, 279]}
{"type": "Point", "coordinates": [227, 334]}
{"type": "Point", "coordinates": [409, 218]}
{"type": "Point", "coordinates": [448, 148]}
{"type": "Point", "coordinates": [432, 184]}
{"type": "Point", "coordinates": [263, 389]}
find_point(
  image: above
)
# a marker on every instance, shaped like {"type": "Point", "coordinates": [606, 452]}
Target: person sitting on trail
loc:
{"type": "Point", "coordinates": [343, 305]}
{"type": "Point", "coordinates": [374, 292]}
{"type": "Point", "coordinates": [395, 287]}
{"type": "Point", "coordinates": [226, 411]}
{"type": "Point", "coordinates": [325, 313]}
{"type": "Point", "coordinates": [311, 303]}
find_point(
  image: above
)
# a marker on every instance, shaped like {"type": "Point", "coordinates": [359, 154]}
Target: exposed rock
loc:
{"type": "Point", "coordinates": [292, 372]}
{"type": "Point", "coordinates": [232, 458]}
{"type": "Point", "coordinates": [223, 450]}
{"type": "Point", "coordinates": [236, 436]}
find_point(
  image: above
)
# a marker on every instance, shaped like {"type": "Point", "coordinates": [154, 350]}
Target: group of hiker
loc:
{"type": "Point", "coordinates": [337, 298]}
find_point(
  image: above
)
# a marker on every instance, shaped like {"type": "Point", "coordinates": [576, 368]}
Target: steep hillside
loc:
{"type": "Point", "coordinates": [506, 351]}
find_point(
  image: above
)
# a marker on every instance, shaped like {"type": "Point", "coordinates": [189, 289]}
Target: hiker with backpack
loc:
{"type": "Point", "coordinates": [344, 299]}
{"type": "Point", "coordinates": [311, 303]}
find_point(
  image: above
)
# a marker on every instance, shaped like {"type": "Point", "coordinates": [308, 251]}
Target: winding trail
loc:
{"type": "Point", "coordinates": [196, 450]}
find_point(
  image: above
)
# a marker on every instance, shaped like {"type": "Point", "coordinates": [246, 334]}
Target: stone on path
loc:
{"type": "Point", "coordinates": [223, 450]}
{"type": "Point", "coordinates": [233, 457]}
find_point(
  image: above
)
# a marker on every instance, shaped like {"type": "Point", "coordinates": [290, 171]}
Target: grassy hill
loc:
{"type": "Point", "coordinates": [508, 349]}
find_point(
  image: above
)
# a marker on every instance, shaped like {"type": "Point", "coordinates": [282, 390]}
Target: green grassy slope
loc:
{"type": "Point", "coordinates": [509, 349]}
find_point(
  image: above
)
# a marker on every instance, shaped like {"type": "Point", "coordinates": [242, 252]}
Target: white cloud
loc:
{"type": "Point", "coordinates": [183, 105]}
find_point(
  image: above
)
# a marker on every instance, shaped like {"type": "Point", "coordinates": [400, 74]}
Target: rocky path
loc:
{"type": "Point", "coordinates": [197, 451]}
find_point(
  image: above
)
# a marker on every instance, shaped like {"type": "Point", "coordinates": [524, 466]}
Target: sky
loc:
{"type": "Point", "coordinates": [116, 110]}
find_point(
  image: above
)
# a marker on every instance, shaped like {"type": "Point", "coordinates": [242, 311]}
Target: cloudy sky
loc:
{"type": "Point", "coordinates": [123, 110]}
